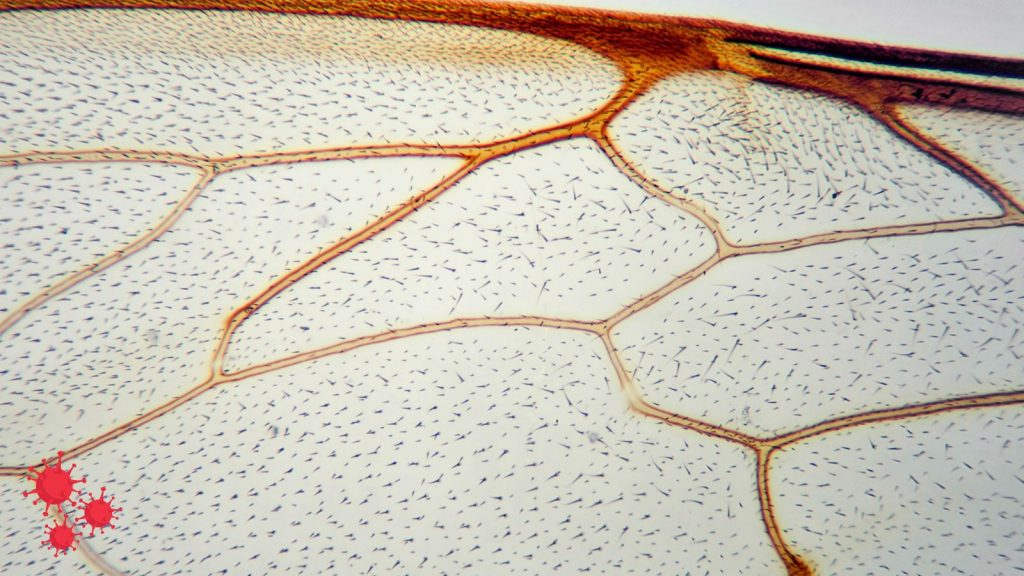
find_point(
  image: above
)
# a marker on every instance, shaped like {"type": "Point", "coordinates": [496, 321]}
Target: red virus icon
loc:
{"type": "Point", "coordinates": [98, 512]}
{"type": "Point", "coordinates": [60, 537]}
{"type": "Point", "coordinates": [54, 485]}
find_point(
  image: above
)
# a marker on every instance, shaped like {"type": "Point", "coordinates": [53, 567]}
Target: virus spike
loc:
{"type": "Point", "coordinates": [54, 485]}
{"type": "Point", "coordinates": [98, 511]}
{"type": "Point", "coordinates": [60, 537]}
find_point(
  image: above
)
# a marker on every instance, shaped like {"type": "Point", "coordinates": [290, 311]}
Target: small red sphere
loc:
{"type": "Point", "coordinates": [60, 537]}
{"type": "Point", "coordinates": [54, 485]}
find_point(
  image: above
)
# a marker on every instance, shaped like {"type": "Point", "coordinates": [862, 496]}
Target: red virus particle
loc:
{"type": "Point", "coordinates": [98, 512]}
{"type": "Point", "coordinates": [60, 537]}
{"type": "Point", "coordinates": [54, 485]}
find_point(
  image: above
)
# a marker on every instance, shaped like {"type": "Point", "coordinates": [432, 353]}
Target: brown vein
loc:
{"type": "Point", "coordinates": [891, 414]}
{"type": "Point", "coordinates": [641, 406]}
{"type": "Point", "coordinates": [111, 259]}
{"type": "Point", "coordinates": [795, 566]}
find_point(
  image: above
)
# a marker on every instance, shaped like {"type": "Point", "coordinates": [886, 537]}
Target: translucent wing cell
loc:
{"type": "Point", "coordinates": [771, 343]}
{"type": "Point", "coordinates": [938, 495]}
{"type": "Point", "coordinates": [991, 140]}
{"type": "Point", "coordinates": [60, 218]}
{"type": "Point", "coordinates": [140, 333]}
{"type": "Point", "coordinates": [222, 83]}
{"type": "Point", "coordinates": [559, 241]}
{"type": "Point", "coordinates": [775, 163]}
{"type": "Point", "coordinates": [21, 530]}
{"type": "Point", "coordinates": [477, 450]}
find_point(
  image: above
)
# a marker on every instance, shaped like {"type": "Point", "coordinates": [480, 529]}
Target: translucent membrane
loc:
{"type": "Point", "coordinates": [431, 287]}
